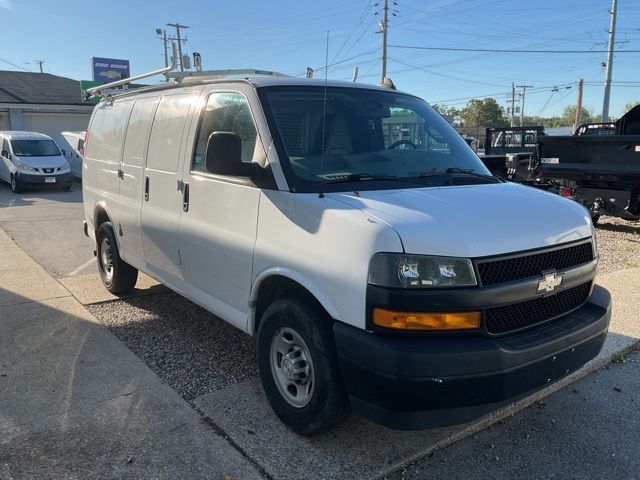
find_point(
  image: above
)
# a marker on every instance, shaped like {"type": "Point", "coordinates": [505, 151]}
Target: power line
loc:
{"type": "Point", "coordinates": [14, 65]}
{"type": "Point", "coordinates": [504, 50]}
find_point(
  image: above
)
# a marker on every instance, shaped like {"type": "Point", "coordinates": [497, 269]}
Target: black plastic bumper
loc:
{"type": "Point", "coordinates": [38, 181]}
{"type": "Point", "coordinates": [415, 383]}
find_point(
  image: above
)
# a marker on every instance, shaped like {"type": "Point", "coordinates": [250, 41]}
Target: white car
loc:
{"type": "Point", "coordinates": [73, 150]}
{"type": "Point", "coordinates": [32, 160]}
{"type": "Point", "coordinates": [355, 234]}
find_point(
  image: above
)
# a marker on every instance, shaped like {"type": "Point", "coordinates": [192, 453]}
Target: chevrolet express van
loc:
{"type": "Point", "coordinates": [32, 160]}
{"type": "Point", "coordinates": [349, 228]}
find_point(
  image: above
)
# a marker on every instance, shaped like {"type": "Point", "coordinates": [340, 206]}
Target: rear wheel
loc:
{"type": "Point", "coordinates": [117, 275]}
{"type": "Point", "coordinates": [299, 367]}
{"type": "Point", "coordinates": [66, 188]}
{"type": "Point", "coordinates": [15, 186]}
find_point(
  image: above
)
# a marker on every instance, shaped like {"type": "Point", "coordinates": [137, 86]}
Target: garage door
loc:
{"type": "Point", "coordinates": [53, 124]}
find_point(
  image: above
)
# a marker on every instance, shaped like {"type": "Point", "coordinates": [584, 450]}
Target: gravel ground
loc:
{"type": "Point", "coordinates": [618, 244]}
{"type": "Point", "coordinates": [196, 353]}
{"type": "Point", "coordinates": [189, 348]}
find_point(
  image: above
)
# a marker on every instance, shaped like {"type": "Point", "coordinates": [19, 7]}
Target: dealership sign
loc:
{"type": "Point", "coordinates": [107, 70]}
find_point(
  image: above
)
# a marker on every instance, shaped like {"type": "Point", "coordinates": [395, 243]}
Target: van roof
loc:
{"type": "Point", "coordinates": [257, 80]}
{"type": "Point", "coordinates": [24, 135]}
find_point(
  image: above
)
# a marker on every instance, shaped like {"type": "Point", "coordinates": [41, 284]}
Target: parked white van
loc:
{"type": "Point", "coordinates": [32, 160]}
{"type": "Point", "coordinates": [355, 234]}
{"type": "Point", "coordinates": [73, 150]}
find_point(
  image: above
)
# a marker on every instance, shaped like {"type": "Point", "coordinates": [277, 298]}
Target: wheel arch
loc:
{"type": "Point", "coordinates": [276, 283]}
{"type": "Point", "coordinates": [100, 215]}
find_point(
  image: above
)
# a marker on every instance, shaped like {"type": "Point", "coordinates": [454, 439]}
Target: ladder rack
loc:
{"type": "Point", "coordinates": [221, 74]}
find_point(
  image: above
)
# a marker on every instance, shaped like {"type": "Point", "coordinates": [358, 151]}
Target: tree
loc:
{"type": "Point", "coordinates": [569, 116]}
{"type": "Point", "coordinates": [629, 106]}
{"type": "Point", "coordinates": [452, 114]}
{"type": "Point", "coordinates": [483, 113]}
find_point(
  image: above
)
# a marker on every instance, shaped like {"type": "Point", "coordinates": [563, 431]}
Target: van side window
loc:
{"type": "Point", "coordinates": [226, 112]}
{"type": "Point", "coordinates": [5, 146]}
{"type": "Point", "coordinates": [107, 131]}
{"type": "Point", "coordinates": [166, 132]}
{"type": "Point", "coordinates": [138, 131]}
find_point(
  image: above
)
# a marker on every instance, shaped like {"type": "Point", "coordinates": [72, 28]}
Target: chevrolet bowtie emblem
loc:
{"type": "Point", "coordinates": [549, 282]}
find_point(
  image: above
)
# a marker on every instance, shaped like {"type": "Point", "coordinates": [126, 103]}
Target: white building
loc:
{"type": "Point", "coordinates": [42, 102]}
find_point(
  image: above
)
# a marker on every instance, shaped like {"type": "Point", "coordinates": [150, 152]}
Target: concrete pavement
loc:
{"type": "Point", "coordinates": [48, 226]}
{"type": "Point", "coordinates": [76, 403]}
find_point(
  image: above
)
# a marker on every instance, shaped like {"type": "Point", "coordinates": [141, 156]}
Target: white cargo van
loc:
{"type": "Point", "coordinates": [355, 234]}
{"type": "Point", "coordinates": [73, 150]}
{"type": "Point", "coordinates": [32, 160]}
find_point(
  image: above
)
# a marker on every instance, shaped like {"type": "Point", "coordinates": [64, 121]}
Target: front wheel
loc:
{"type": "Point", "coordinates": [15, 186]}
{"type": "Point", "coordinates": [117, 275]}
{"type": "Point", "coordinates": [299, 367]}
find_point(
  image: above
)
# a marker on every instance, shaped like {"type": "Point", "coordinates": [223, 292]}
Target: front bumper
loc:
{"type": "Point", "coordinates": [38, 181]}
{"type": "Point", "coordinates": [411, 383]}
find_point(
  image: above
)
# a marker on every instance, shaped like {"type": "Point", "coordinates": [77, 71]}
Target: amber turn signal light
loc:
{"type": "Point", "coordinates": [426, 320]}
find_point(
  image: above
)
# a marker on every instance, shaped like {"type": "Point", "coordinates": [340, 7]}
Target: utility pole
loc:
{"type": "Point", "coordinates": [610, 48]}
{"type": "Point", "coordinates": [576, 122]}
{"type": "Point", "coordinates": [513, 103]}
{"type": "Point", "coordinates": [383, 29]}
{"type": "Point", "coordinates": [162, 34]}
{"type": "Point", "coordinates": [40, 62]}
{"type": "Point", "coordinates": [177, 26]}
{"type": "Point", "coordinates": [524, 91]}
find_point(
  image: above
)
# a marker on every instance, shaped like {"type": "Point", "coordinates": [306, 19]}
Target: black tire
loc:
{"type": "Point", "coordinates": [117, 275]}
{"type": "Point", "coordinates": [15, 186]}
{"type": "Point", "coordinates": [66, 188]}
{"type": "Point", "coordinates": [328, 403]}
{"type": "Point", "coordinates": [595, 219]}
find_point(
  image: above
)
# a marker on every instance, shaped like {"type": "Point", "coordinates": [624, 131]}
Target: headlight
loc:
{"type": "Point", "coordinates": [23, 166]}
{"type": "Point", "coordinates": [65, 165]}
{"type": "Point", "coordinates": [595, 246]}
{"type": "Point", "coordinates": [420, 271]}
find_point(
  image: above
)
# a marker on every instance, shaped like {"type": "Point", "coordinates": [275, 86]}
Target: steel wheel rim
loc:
{"type": "Point", "coordinates": [106, 258]}
{"type": "Point", "coordinates": [292, 367]}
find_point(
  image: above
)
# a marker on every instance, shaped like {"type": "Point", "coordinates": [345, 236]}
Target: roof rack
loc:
{"type": "Point", "coordinates": [108, 87]}
{"type": "Point", "coordinates": [221, 74]}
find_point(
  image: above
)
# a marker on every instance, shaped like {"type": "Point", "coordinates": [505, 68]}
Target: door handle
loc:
{"type": "Point", "coordinates": [121, 173]}
{"type": "Point", "coordinates": [146, 189]}
{"type": "Point", "coordinates": [185, 198]}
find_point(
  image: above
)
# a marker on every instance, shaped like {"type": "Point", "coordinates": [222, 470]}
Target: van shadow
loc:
{"type": "Point", "coordinates": [192, 350]}
{"type": "Point", "coordinates": [77, 404]}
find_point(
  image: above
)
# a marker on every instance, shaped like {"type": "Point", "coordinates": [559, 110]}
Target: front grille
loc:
{"type": "Point", "coordinates": [532, 265]}
{"type": "Point", "coordinates": [531, 312]}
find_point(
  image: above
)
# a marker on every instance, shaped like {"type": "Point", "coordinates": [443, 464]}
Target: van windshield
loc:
{"type": "Point", "coordinates": [35, 148]}
{"type": "Point", "coordinates": [365, 134]}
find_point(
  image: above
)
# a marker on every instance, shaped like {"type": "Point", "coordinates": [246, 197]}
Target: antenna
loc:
{"type": "Point", "coordinates": [324, 115]}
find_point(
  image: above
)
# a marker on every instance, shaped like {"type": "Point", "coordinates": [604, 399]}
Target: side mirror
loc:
{"type": "Point", "coordinates": [6, 154]}
{"type": "Point", "coordinates": [224, 156]}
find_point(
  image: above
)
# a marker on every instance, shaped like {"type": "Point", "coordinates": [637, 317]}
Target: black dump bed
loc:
{"type": "Point", "coordinates": [611, 158]}
{"type": "Point", "coordinates": [588, 157]}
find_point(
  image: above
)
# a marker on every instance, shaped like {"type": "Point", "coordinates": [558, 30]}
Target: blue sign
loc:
{"type": "Point", "coordinates": [106, 70]}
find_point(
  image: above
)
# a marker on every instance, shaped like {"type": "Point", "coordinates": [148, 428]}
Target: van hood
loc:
{"type": "Point", "coordinates": [43, 162]}
{"type": "Point", "coordinates": [474, 220]}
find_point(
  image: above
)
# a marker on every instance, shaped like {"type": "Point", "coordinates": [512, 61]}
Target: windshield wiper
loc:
{"type": "Point", "coordinates": [357, 177]}
{"type": "Point", "coordinates": [468, 171]}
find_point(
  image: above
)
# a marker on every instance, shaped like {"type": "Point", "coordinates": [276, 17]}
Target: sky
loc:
{"type": "Point", "coordinates": [290, 35]}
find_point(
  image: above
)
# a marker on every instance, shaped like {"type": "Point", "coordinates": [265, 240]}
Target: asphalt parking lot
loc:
{"type": "Point", "coordinates": [211, 366]}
